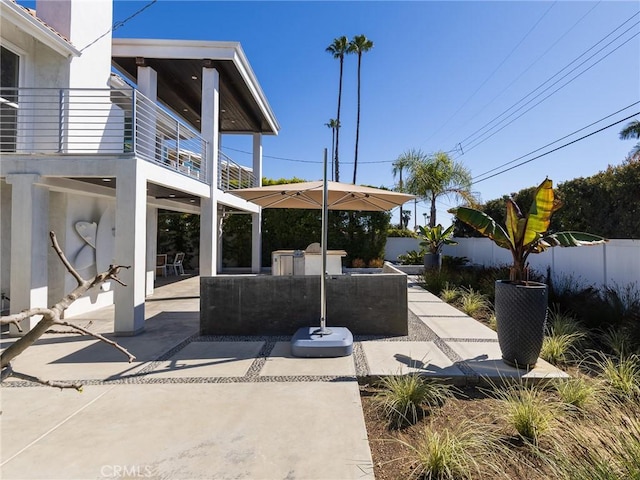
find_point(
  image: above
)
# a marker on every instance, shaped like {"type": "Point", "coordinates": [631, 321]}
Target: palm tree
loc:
{"type": "Point", "coordinates": [435, 175]}
{"type": "Point", "coordinates": [632, 130]}
{"type": "Point", "coordinates": [333, 125]}
{"type": "Point", "coordinates": [338, 49]}
{"type": "Point", "coordinates": [360, 44]}
{"type": "Point", "coordinates": [399, 165]}
{"type": "Point", "coordinates": [403, 161]}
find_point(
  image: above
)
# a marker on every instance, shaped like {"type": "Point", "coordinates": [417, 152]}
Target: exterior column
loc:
{"type": "Point", "coordinates": [131, 242]}
{"type": "Point", "coordinates": [146, 112]}
{"type": "Point", "coordinates": [220, 253]}
{"type": "Point", "coordinates": [29, 247]}
{"type": "Point", "coordinates": [256, 218]}
{"type": "Point", "coordinates": [152, 248]}
{"type": "Point", "coordinates": [208, 206]}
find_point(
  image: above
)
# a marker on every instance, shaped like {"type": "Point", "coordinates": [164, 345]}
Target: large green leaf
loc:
{"type": "Point", "coordinates": [514, 216]}
{"type": "Point", "coordinates": [435, 238]}
{"type": "Point", "coordinates": [542, 208]}
{"type": "Point", "coordinates": [484, 224]}
{"type": "Point", "coordinates": [448, 232]}
{"type": "Point", "coordinates": [571, 239]}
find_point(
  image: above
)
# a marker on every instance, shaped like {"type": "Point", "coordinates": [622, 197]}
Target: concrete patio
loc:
{"type": "Point", "coordinates": [194, 406]}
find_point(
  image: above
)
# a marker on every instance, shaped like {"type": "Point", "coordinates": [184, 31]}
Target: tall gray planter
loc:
{"type": "Point", "coordinates": [521, 312]}
{"type": "Point", "coordinates": [432, 261]}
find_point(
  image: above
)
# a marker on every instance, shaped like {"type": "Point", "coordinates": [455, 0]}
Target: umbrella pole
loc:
{"type": "Point", "coordinates": [323, 277]}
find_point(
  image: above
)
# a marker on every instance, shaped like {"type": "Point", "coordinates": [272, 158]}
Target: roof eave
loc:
{"type": "Point", "coordinates": [21, 18]}
{"type": "Point", "coordinates": [247, 73]}
{"type": "Point", "coordinates": [205, 50]}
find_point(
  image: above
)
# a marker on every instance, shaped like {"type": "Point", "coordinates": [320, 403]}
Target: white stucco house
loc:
{"type": "Point", "coordinates": [98, 134]}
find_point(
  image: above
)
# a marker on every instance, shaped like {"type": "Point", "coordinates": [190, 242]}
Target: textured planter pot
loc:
{"type": "Point", "coordinates": [432, 261]}
{"type": "Point", "coordinates": [521, 312]}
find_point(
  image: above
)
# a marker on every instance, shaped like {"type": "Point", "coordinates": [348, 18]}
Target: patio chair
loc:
{"type": "Point", "coordinates": [161, 264]}
{"type": "Point", "coordinates": [177, 264]}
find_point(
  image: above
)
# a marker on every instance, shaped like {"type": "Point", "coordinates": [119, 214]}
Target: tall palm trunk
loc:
{"type": "Point", "coordinates": [359, 44]}
{"type": "Point", "coordinates": [355, 158]}
{"type": "Point", "coordinates": [432, 220]}
{"type": "Point", "coordinates": [337, 164]}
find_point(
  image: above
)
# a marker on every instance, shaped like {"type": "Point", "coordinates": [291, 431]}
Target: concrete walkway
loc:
{"type": "Point", "coordinates": [194, 407]}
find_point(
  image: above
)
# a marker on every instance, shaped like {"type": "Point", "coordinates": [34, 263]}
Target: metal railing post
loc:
{"type": "Point", "coordinates": [60, 120]}
{"type": "Point", "coordinates": [134, 122]}
{"type": "Point", "coordinates": [178, 144]}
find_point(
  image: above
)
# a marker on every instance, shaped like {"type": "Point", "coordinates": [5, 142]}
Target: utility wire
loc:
{"type": "Point", "coordinates": [302, 161]}
{"type": "Point", "coordinates": [118, 25]}
{"type": "Point", "coordinates": [271, 156]}
{"type": "Point", "coordinates": [556, 149]}
{"type": "Point", "coordinates": [557, 81]}
{"type": "Point", "coordinates": [503, 90]}
{"type": "Point", "coordinates": [556, 141]}
{"type": "Point", "coordinates": [479, 142]}
{"type": "Point", "coordinates": [491, 74]}
{"type": "Point", "coordinates": [297, 160]}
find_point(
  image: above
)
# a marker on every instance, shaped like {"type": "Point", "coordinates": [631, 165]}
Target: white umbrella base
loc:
{"type": "Point", "coordinates": [311, 342]}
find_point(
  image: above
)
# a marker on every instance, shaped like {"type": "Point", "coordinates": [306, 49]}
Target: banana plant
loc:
{"type": "Point", "coordinates": [434, 238]}
{"type": "Point", "coordinates": [526, 234]}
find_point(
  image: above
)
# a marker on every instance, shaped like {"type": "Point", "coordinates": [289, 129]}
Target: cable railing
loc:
{"type": "Point", "coordinates": [98, 121]}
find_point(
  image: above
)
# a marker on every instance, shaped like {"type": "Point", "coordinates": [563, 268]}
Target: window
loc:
{"type": "Point", "coordinates": [9, 78]}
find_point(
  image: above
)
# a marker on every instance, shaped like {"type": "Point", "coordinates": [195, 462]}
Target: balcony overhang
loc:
{"type": "Point", "coordinates": [243, 106]}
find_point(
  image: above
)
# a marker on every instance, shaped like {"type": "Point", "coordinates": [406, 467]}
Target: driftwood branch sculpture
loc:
{"type": "Point", "coordinates": [52, 316]}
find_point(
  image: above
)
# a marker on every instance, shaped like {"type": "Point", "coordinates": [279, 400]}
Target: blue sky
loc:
{"type": "Point", "coordinates": [439, 71]}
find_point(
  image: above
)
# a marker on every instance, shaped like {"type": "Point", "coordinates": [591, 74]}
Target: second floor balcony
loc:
{"type": "Point", "coordinates": [115, 121]}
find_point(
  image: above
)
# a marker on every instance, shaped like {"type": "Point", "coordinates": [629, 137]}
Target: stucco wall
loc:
{"type": "Point", "coordinates": [399, 246]}
{"type": "Point", "coordinates": [88, 209]}
{"type": "Point", "coordinates": [616, 262]}
{"type": "Point", "coordinates": [40, 65]}
{"type": "Point", "coordinates": [80, 20]}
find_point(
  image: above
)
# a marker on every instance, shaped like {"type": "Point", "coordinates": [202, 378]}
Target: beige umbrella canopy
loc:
{"type": "Point", "coordinates": [340, 196]}
{"type": "Point", "coordinates": [325, 195]}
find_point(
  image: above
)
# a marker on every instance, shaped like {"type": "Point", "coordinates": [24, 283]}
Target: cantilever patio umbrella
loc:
{"type": "Point", "coordinates": [323, 195]}
{"type": "Point", "coordinates": [340, 196]}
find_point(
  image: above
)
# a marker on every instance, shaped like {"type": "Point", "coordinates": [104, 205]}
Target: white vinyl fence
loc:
{"type": "Point", "coordinates": [616, 262]}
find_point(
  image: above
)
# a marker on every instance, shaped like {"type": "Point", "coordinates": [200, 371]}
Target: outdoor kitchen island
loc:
{"type": "Point", "coordinates": [306, 262]}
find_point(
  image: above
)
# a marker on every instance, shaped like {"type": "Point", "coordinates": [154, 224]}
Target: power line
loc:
{"type": "Point", "coordinates": [303, 161]}
{"type": "Point", "coordinates": [119, 24]}
{"type": "Point", "coordinates": [556, 149]}
{"type": "Point", "coordinates": [479, 139]}
{"type": "Point", "coordinates": [545, 98]}
{"type": "Point", "coordinates": [503, 90]}
{"type": "Point", "coordinates": [492, 73]}
{"type": "Point", "coordinates": [556, 141]}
